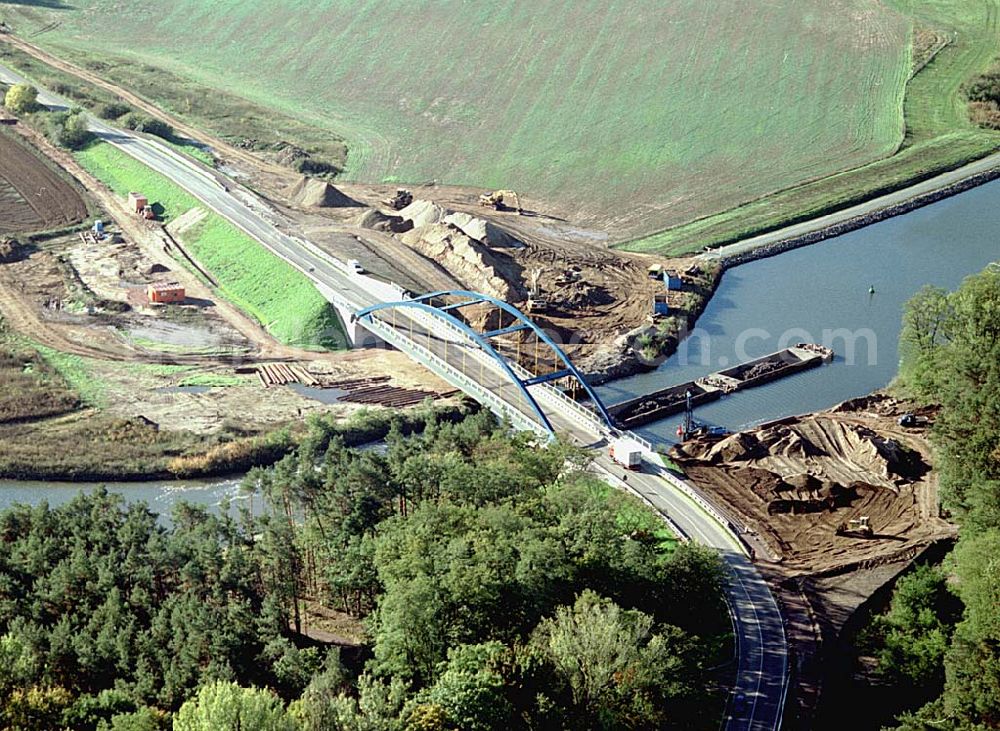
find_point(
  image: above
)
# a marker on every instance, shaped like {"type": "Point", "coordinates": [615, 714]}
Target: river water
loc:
{"type": "Point", "coordinates": [817, 293]}
{"type": "Point", "coordinates": [821, 293]}
{"type": "Point", "coordinates": [160, 496]}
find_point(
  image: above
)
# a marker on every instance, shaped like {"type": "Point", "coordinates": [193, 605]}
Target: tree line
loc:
{"type": "Point", "coordinates": [941, 636]}
{"type": "Point", "coordinates": [69, 128]}
{"type": "Point", "coordinates": [499, 586]}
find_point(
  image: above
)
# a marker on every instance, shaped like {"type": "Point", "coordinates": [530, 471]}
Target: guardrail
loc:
{"type": "Point", "coordinates": [707, 507]}
{"type": "Point", "coordinates": [453, 375]}
{"type": "Point", "coordinates": [578, 412]}
{"type": "Point", "coordinates": [679, 532]}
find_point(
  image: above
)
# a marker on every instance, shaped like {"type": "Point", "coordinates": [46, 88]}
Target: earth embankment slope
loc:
{"type": "Point", "coordinates": [679, 110]}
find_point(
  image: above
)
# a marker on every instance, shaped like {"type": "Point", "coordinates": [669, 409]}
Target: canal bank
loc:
{"type": "Point", "coordinates": [822, 294]}
{"type": "Point", "coordinates": [816, 293]}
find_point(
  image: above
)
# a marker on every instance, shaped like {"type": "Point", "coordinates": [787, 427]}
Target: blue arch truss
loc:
{"type": "Point", "coordinates": [522, 323]}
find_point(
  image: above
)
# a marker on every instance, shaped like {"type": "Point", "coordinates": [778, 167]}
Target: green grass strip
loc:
{"type": "Point", "coordinates": [250, 276]}
{"type": "Point", "coordinates": [77, 373]}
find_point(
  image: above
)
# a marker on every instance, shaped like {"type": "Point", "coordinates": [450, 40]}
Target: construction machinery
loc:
{"type": "Point", "coordinates": [501, 200]}
{"type": "Point", "coordinates": [400, 200]}
{"type": "Point", "coordinates": [859, 527]}
{"type": "Point", "coordinates": [536, 301]}
{"type": "Point", "coordinates": [911, 420]}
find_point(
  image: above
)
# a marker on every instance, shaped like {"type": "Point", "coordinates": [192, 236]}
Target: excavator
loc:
{"type": "Point", "coordinates": [502, 200]}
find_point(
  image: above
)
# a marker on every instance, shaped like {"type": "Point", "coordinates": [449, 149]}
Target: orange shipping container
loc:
{"type": "Point", "coordinates": [165, 293]}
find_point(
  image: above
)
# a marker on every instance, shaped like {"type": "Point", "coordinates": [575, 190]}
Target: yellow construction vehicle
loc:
{"type": "Point", "coordinates": [859, 527]}
{"type": "Point", "coordinates": [536, 300]}
{"type": "Point", "coordinates": [501, 200]}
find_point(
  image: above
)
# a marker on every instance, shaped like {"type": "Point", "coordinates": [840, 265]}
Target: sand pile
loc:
{"type": "Point", "coordinates": [829, 452]}
{"type": "Point", "coordinates": [783, 441]}
{"type": "Point", "coordinates": [425, 213]}
{"type": "Point", "coordinates": [886, 458]}
{"type": "Point", "coordinates": [468, 260]}
{"type": "Point", "coordinates": [377, 221]}
{"type": "Point", "coordinates": [482, 230]}
{"type": "Point", "coordinates": [315, 193]}
{"type": "Point", "coordinates": [739, 447]}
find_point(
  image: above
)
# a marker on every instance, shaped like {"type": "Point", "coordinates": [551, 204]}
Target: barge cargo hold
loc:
{"type": "Point", "coordinates": [668, 401]}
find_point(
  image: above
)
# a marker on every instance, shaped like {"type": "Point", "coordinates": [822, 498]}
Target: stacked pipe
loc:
{"type": "Point", "coordinates": [392, 396]}
{"type": "Point", "coordinates": [279, 374]}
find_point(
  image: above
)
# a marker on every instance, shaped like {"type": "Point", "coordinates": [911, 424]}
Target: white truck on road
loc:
{"type": "Point", "coordinates": [627, 453]}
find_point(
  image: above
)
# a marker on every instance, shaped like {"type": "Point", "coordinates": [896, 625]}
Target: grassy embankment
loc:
{"type": "Point", "coordinates": [640, 119]}
{"type": "Point", "coordinates": [260, 283]}
{"type": "Point", "coordinates": [939, 137]}
{"type": "Point", "coordinates": [820, 89]}
{"type": "Point", "coordinates": [227, 116]}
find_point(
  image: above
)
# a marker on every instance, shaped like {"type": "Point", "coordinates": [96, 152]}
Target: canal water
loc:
{"type": "Point", "coordinates": [820, 293]}
{"type": "Point", "coordinates": [160, 496]}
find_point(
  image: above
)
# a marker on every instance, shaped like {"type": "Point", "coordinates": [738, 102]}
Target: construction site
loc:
{"type": "Point", "coordinates": [834, 505]}
{"type": "Point", "coordinates": [138, 326]}
{"type": "Point", "coordinates": [596, 302]}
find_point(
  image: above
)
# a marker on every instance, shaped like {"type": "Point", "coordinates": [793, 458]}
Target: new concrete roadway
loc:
{"type": "Point", "coordinates": [761, 653]}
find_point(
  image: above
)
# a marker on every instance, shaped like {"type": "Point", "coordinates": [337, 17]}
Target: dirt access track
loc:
{"type": "Point", "coordinates": [33, 197]}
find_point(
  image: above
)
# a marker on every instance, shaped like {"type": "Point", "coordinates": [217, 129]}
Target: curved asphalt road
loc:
{"type": "Point", "coordinates": [762, 664]}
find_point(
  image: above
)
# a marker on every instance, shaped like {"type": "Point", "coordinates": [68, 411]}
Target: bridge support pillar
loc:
{"type": "Point", "coordinates": [357, 336]}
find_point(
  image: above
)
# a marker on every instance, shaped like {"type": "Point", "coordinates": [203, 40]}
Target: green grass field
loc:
{"type": "Point", "coordinates": [280, 297]}
{"type": "Point", "coordinates": [939, 135]}
{"type": "Point", "coordinates": [633, 116]}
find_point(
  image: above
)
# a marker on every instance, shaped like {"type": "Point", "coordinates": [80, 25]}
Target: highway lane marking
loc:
{"type": "Point", "coordinates": [687, 498]}
{"type": "Point", "coordinates": [760, 636]}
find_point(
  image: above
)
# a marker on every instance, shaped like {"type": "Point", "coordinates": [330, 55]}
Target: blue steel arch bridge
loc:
{"type": "Point", "coordinates": [474, 333]}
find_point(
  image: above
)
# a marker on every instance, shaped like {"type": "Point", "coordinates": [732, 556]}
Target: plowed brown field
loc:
{"type": "Point", "coordinates": [32, 196]}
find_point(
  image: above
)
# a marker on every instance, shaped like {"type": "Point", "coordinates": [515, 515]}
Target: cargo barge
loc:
{"type": "Point", "coordinates": [672, 400]}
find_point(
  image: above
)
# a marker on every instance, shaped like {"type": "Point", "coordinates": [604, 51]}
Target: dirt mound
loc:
{"type": "Point", "coordinates": [378, 221]}
{"type": "Point", "coordinates": [482, 230]}
{"type": "Point", "coordinates": [739, 447]}
{"type": "Point", "coordinates": [424, 213]}
{"type": "Point", "coordinates": [797, 481]}
{"type": "Point", "coordinates": [840, 452]}
{"type": "Point", "coordinates": [467, 259]}
{"type": "Point", "coordinates": [10, 251]}
{"type": "Point", "coordinates": [886, 458]}
{"type": "Point", "coordinates": [289, 154]}
{"type": "Point", "coordinates": [784, 441]}
{"type": "Point", "coordinates": [316, 193]}
{"type": "Point", "coordinates": [155, 269]}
